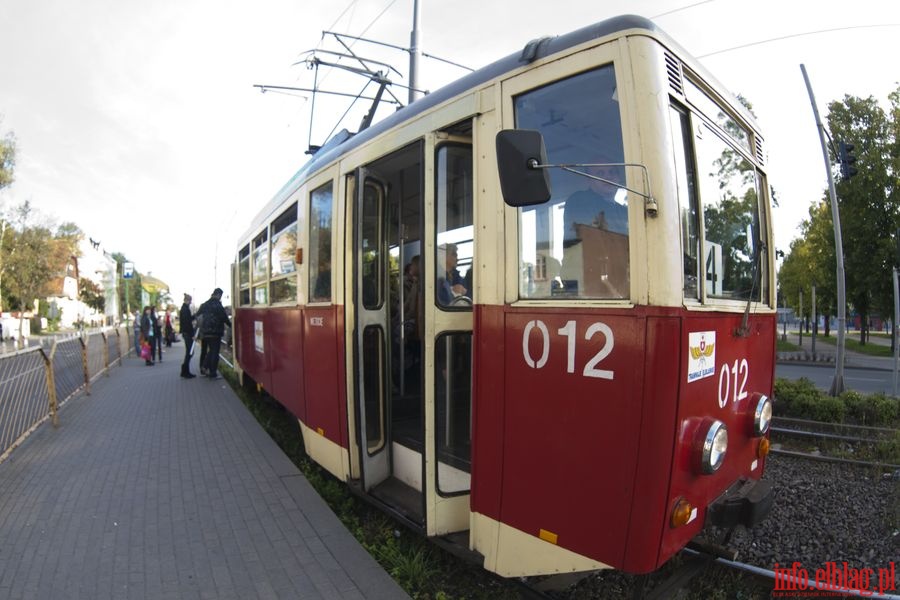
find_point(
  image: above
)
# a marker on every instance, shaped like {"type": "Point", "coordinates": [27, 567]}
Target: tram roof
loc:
{"type": "Point", "coordinates": [344, 141]}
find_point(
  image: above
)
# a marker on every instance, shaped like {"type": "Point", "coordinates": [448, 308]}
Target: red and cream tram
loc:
{"type": "Point", "coordinates": [565, 372]}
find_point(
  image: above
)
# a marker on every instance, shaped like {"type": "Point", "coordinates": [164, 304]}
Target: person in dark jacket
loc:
{"type": "Point", "coordinates": [212, 329]}
{"type": "Point", "coordinates": [186, 321]}
{"type": "Point", "coordinates": [147, 333]}
{"type": "Point", "coordinates": [156, 346]}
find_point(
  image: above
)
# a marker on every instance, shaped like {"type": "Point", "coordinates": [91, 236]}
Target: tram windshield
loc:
{"type": "Point", "coordinates": [576, 244]}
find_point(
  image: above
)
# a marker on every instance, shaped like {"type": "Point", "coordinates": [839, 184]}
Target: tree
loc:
{"type": "Point", "coordinates": [91, 294]}
{"type": "Point", "coordinates": [870, 214]}
{"type": "Point", "coordinates": [810, 262]}
{"type": "Point", "coordinates": [7, 158]}
{"type": "Point", "coordinates": [868, 204]}
{"type": "Point", "coordinates": [28, 267]}
{"type": "Point", "coordinates": [132, 300]}
{"type": "Point", "coordinates": [7, 166]}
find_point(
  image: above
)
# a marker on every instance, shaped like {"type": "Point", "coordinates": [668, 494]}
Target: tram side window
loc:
{"type": "Point", "coordinates": [260, 268]}
{"type": "Point", "coordinates": [729, 195]}
{"type": "Point", "coordinates": [576, 244]}
{"type": "Point", "coordinates": [455, 233]}
{"type": "Point", "coordinates": [283, 285]}
{"type": "Point", "coordinates": [687, 193]}
{"type": "Point", "coordinates": [320, 244]}
{"type": "Point", "coordinates": [453, 411]}
{"type": "Point", "coordinates": [244, 275]}
{"type": "Point", "coordinates": [725, 203]}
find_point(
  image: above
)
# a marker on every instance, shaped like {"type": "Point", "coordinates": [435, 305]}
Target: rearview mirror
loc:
{"type": "Point", "coordinates": [523, 182]}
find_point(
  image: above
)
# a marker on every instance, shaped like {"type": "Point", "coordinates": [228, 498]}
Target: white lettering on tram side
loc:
{"type": "Point", "coordinates": [740, 369]}
{"type": "Point", "coordinates": [570, 333]}
{"type": "Point", "coordinates": [317, 321]}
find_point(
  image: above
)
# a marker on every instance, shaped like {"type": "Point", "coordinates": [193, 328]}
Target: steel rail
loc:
{"type": "Point", "coordinates": [832, 425]}
{"type": "Point", "coordinates": [827, 436]}
{"type": "Point", "coordinates": [833, 459]}
{"type": "Point", "coordinates": [769, 574]}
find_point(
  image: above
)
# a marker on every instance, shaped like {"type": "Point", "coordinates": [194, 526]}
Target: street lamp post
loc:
{"type": "Point", "coordinates": [837, 385]}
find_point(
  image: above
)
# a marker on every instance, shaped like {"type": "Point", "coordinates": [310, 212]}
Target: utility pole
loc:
{"type": "Point", "coordinates": [896, 320]}
{"type": "Point", "coordinates": [815, 318]}
{"type": "Point", "coordinates": [837, 385]}
{"type": "Point", "coordinates": [415, 53]}
{"type": "Point", "coordinates": [802, 318]}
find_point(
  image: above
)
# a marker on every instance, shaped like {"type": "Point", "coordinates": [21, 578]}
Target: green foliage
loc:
{"type": "Point", "coordinates": [412, 566]}
{"type": "Point", "coordinates": [27, 267]}
{"type": "Point", "coordinates": [875, 409]}
{"type": "Point", "coordinates": [801, 399]}
{"type": "Point", "coordinates": [828, 409]}
{"type": "Point", "coordinates": [7, 159]}
{"type": "Point", "coordinates": [91, 294]}
{"type": "Point", "coordinates": [888, 451]}
{"type": "Point", "coordinates": [794, 397]}
{"type": "Point", "coordinates": [870, 216]}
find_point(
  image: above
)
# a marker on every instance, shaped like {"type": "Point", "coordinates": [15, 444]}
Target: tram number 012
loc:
{"type": "Point", "coordinates": [737, 373]}
{"type": "Point", "coordinates": [569, 332]}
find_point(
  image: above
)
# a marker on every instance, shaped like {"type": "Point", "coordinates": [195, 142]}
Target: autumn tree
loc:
{"type": "Point", "coordinates": [91, 294]}
{"type": "Point", "coordinates": [29, 266]}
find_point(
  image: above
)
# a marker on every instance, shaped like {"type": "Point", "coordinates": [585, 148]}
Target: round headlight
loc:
{"type": "Point", "coordinates": [715, 445]}
{"type": "Point", "coordinates": [762, 417]}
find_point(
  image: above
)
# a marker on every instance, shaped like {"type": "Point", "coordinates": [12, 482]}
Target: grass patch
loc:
{"type": "Point", "coordinates": [786, 346]}
{"type": "Point", "coordinates": [853, 345]}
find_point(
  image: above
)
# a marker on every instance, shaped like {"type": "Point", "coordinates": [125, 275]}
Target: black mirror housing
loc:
{"type": "Point", "coordinates": [521, 182]}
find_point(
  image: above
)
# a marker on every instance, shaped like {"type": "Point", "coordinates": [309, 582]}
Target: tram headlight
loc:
{"type": "Point", "coordinates": [762, 416]}
{"type": "Point", "coordinates": [714, 447]}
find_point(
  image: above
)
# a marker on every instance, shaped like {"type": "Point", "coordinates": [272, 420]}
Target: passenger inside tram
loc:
{"type": "Point", "coordinates": [451, 284]}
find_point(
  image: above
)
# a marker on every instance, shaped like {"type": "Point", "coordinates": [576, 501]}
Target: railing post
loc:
{"type": "Point", "coordinates": [84, 366]}
{"type": "Point", "coordinates": [105, 351]}
{"type": "Point", "coordinates": [119, 346]}
{"type": "Point", "coordinates": [51, 385]}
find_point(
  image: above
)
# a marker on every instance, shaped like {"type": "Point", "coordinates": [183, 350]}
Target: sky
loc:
{"type": "Point", "coordinates": [139, 122]}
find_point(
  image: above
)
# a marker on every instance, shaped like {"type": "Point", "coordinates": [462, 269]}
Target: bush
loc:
{"type": "Point", "coordinates": [875, 409]}
{"type": "Point", "coordinates": [801, 399]}
{"type": "Point", "coordinates": [795, 398]}
{"type": "Point", "coordinates": [884, 410]}
{"type": "Point", "coordinates": [828, 409]}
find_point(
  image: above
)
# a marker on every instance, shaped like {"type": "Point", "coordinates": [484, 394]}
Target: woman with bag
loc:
{"type": "Point", "coordinates": [147, 336]}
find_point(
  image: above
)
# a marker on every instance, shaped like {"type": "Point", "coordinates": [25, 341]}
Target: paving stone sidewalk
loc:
{"type": "Point", "coordinates": [155, 487]}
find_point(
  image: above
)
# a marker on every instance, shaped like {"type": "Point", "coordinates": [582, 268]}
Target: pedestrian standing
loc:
{"type": "Point", "coordinates": [156, 346]}
{"type": "Point", "coordinates": [170, 333]}
{"type": "Point", "coordinates": [214, 320]}
{"type": "Point", "coordinates": [187, 334]}
{"type": "Point", "coordinates": [137, 333]}
{"type": "Point", "coordinates": [147, 335]}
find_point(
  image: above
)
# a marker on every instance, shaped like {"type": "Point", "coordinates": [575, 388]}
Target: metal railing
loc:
{"type": "Point", "coordinates": [36, 381]}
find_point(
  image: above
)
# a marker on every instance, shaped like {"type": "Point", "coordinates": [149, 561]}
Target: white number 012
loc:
{"type": "Point", "coordinates": [569, 332]}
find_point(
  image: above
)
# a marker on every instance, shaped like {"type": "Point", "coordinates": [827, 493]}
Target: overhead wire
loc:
{"type": "Point", "coordinates": [330, 71]}
{"type": "Point", "coordinates": [796, 35]}
{"type": "Point", "coordinates": [675, 10]}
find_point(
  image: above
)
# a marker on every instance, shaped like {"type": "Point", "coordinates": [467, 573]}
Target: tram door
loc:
{"type": "Point", "coordinates": [414, 256]}
{"type": "Point", "coordinates": [389, 329]}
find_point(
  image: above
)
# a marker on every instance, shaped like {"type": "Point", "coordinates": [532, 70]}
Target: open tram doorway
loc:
{"type": "Point", "coordinates": [414, 262]}
{"type": "Point", "coordinates": [390, 329]}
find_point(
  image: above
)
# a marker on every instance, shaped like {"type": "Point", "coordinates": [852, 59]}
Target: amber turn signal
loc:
{"type": "Point", "coordinates": [682, 513]}
{"type": "Point", "coordinates": [763, 450]}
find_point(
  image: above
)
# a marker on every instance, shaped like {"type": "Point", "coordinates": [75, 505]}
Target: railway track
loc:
{"type": "Point", "coordinates": [857, 440]}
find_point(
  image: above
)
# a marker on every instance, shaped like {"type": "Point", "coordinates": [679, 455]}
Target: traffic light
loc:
{"type": "Point", "coordinates": [847, 160]}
